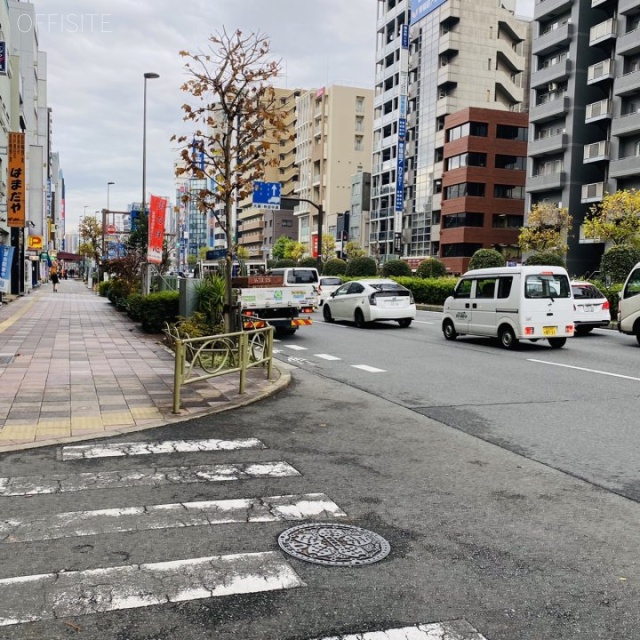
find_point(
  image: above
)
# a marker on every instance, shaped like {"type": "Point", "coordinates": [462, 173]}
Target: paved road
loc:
{"type": "Point", "coordinates": [113, 547]}
{"type": "Point", "coordinates": [574, 409]}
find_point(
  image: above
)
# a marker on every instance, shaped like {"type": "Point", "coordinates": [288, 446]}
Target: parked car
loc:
{"type": "Point", "coordinates": [591, 307]}
{"type": "Point", "coordinates": [364, 301]}
{"type": "Point", "coordinates": [326, 286]}
{"type": "Point", "coordinates": [629, 308]}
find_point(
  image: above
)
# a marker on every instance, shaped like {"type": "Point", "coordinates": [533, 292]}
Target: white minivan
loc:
{"type": "Point", "coordinates": [629, 306]}
{"type": "Point", "coordinates": [512, 304]}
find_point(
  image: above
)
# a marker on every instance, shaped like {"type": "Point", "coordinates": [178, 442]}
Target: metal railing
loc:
{"type": "Point", "coordinates": [198, 359]}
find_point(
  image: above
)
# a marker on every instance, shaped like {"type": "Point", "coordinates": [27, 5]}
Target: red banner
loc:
{"type": "Point", "coordinates": [157, 211]}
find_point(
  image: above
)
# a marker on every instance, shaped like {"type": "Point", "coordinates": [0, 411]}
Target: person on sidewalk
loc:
{"type": "Point", "coordinates": [53, 275]}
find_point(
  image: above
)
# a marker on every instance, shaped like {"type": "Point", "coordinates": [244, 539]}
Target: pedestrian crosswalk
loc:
{"type": "Point", "coordinates": [55, 594]}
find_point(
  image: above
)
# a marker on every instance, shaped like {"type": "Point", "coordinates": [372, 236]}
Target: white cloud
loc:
{"type": "Point", "coordinates": [97, 57]}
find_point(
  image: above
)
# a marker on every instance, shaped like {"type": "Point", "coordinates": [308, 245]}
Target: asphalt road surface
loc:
{"type": "Point", "coordinates": [173, 532]}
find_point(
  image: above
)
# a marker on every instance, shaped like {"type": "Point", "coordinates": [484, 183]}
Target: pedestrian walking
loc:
{"type": "Point", "coordinates": [53, 276]}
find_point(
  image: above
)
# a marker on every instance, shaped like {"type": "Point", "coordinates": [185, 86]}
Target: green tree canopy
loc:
{"type": "Point", "coordinates": [546, 229]}
{"type": "Point", "coordinates": [616, 219]}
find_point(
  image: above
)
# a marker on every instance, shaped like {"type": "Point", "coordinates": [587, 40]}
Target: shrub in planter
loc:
{"type": "Point", "coordinates": [119, 291]}
{"type": "Point", "coordinates": [431, 268]}
{"type": "Point", "coordinates": [285, 262]}
{"type": "Point", "coordinates": [158, 308]}
{"type": "Point", "coordinates": [429, 290]}
{"type": "Point", "coordinates": [361, 267]}
{"type": "Point", "coordinates": [103, 288]}
{"type": "Point", "coordinates": [618, 262]}
{"type": "Point", "coordinates": [334, 267]}
{"type": "Point", "coordinates": [486, 259]}
{"type": "Point", "coordinates": [545, 258]}
{"type": "Point", "coordinates": [396, 268]}
{"type": "Point", "coordinates": [307, 262]}
{"type": "Point", "coordinates": [134, 306]}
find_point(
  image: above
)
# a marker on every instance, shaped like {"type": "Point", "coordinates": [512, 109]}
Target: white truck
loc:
{"type": "Point", "coordinates": [271, 299]}
{"type": "Point", "coordinates": [629, 305]}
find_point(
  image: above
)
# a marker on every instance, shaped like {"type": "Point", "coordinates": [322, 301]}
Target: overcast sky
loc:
{"type": "Point", "coordinates": [98, 51]}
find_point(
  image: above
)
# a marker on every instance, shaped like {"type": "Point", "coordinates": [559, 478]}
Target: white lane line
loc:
{"type": "Point", "coordinates": [326, 356]}
{"type": "Point", "coordinates": [455, 630]}
{"type": "Point", "coordinates": [423, 322]}
{"type": "Point", "coordinates": [568, 366]}
{"type": "Point", "coordinates": [169, 516]}
{"type": "Point", "coordinates": [295, 347]}
{"type": "Point", "coordinates": [84, 451]}
{"type": "Point", "coordinates": [76, 593]}
{"type": "Point", "coordinates": [366, 367]}
{"type": "Point", "coordinates": [63, 483]}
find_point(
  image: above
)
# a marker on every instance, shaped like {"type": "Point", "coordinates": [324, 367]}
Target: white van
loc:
{"type": "Point", "coordinates": [629, 306]}
{"type": "Point", "coordinates": [512, 304]}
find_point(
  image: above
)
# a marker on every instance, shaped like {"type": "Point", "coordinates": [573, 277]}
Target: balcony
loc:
{"type": "Point", "coordinates": [547, 146]}
{"type": "Point", "coordinates": [506, 84]}
{"type": "Point", "coordinates": [448, 75]}
{"type": "Point", "coordinates": [627, 84]}
{"type": "Point", "coordinates": [596, 152]}
{"type": "Point", "coordinates": [549, 110]}
{"type": "Point", "coordinates": [553, 73]}
{"type": "Point", "coordinates": [626, 125]}
{"type": "Point", "coordinates": [627, 6]}
{"type": "Point", "coordinates": [602, 32]}
{"type": "Point", "coordinates": [446, 106]}
{"type": "Point", "coordinates": [596, 3]}
{"type": "Point", "coordinates": [629, 43]}
{"type": "Point", "coordinates": [598, 111]}
{"type": "Point", "coordinates": [546, 182]}
{"type": "Point", "coordinates": [593, 192]}
{"type": "Point", "coordinates": [603, 70]}
{"type": "Point", "coordinates": [449, 42]}
{"type": "Point", "coordinates": [554, 39]}
{"type": "Point", "coordinates": [624, 167]}
{"type": "Point", "coordinates": [550, 8]}
{"type": "Point", "coordinates": [510, 56]}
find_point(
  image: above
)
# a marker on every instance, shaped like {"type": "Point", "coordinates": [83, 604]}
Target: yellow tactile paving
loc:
{"type": "Point", "coordinates": [145, 413]}
{"type": "Point", "coordinates": [117, 418]}
{"type": "Point", "coordinates": [18, 432]}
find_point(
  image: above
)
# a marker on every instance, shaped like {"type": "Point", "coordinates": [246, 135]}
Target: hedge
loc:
{"type": "Point", "coordinates": [158, 308]}
{"type": "Point", "coordinates": [429, 290]}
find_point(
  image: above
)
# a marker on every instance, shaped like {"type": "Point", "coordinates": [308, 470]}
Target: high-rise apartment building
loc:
{"type": "Point", "coordinates": [585, 110]}
{"type": "Point", "coordinates": [434, 58]}
{"type": "Point", "coordinates": [333, 141]}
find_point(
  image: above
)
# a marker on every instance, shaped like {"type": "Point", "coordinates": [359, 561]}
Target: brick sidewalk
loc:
{"type": "Point", "coordinates": [72, 367]}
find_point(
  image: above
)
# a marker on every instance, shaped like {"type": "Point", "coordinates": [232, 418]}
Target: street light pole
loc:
{"type": "Point", "coordinates": [149, 75]}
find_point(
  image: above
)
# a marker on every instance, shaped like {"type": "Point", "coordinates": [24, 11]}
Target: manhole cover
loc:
{"type": "Point", "coordinates": [336, 545]}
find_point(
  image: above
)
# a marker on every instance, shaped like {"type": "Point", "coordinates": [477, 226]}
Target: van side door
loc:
{"type": "Point", "coordinates": [460, 308]}
{"type": "Point", "coordinates": [483, 307]}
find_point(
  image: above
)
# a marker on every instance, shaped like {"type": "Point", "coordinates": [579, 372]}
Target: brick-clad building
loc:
{"type": "Point", "coordinates": [483, 184]}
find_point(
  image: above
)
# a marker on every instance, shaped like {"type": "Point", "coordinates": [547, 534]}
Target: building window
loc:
{"type": "Point", "coordinates": [510, 132]}
{"type": "Point", "coordinates": [461, 250]}
{"type": "Point", "coordinates": [464, 189]}
{"type": "Point", "coordinates": [508, 191]}
{"type": "Point", "coordinates": [517, 163]}
{"type": "Point", "coordinates": [358, 144]}
{"type": "Point", "coordinates": [359, 104]}
{"type": "Point", "coordinates": [507, 221]}
{"type": "Point", "coordinates": [479, 129]}
{"type": "Point", "coordinates": [470, 159]}
{"type": "Point", "coordinates": [468, 219]}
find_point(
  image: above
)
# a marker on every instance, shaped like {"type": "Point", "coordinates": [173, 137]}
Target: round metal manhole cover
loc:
{"type": "Point", "coordinates": [335, 545]}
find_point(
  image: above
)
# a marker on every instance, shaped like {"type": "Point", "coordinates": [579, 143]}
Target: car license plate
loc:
{"type": "Point", "coordinates": [588, 307]}
{"type": "Point", "coordinates": [549, 331]}
{"type": "Point", "coordinates": [393, 303]}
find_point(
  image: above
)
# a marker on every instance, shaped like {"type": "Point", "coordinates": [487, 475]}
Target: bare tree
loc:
{"type": "Point", "coordinates": [238, 124]}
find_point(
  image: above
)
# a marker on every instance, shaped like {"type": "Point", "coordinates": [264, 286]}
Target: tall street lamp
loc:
{"type": "Point", "coordinates": [149, 75]}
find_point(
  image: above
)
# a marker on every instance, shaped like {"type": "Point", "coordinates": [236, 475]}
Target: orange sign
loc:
{"type": "Point", "coordinates": [16, 180]}
{"type": "Point", "coordinates": [35, 242]}
{"type": "Point", "coordinates": [157, 210]}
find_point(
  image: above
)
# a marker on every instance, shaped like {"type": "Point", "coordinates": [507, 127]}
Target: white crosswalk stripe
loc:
{"type": "Point", "coordinates": [366, 367]}
{"type": "Point", "coordinates": [326, 356]}
{"type": "Point", "coordinates": [456, 630]}
{"type": "Point", "coordinates": [85, 451]}
{"type": "Point", "coordinates": [169, 516]}
{"type": "Point", "coordinates": [75, 593]}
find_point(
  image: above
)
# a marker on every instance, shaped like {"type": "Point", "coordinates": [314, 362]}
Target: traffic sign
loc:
{"type": "Point", "coordinates": [266, 195]}
{"type": "Point", "coordinates": [111, 229]}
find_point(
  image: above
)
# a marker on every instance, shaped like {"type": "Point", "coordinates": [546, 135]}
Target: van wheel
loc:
{"type": "Point", "coordinates": [405, 322]}
{"type": "Point", "coordinates": [358, 318]}
{"type": "Point", "coordinates": [449, 330]}
{"type": "Point", "coordinates": [638, 335]}
{"type": "Point", "coordinates": [326, 313]}
{"type": "Point", "coordinates": [557, 343]}
{"type": "Point", "coordinates": [508, 338]}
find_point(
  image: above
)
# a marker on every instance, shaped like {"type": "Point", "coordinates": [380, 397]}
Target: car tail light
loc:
{"type": "Point", "coordinates": [528, 331]}
{"type": "Point", "coordinates": [605, 305]}
{"type": "Point", "coordinates": [372, 299]}
{"type": "Point", "coordinates": [411, 298]}
{"type": "Point", "coordinates": [568, 328]}
{"type": "Point", "coordinates": [248, 313]}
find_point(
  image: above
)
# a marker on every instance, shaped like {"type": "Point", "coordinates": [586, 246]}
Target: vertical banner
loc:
{"type": "Point", "coordinates": [6, 258]}
{"type": "Point", "coordinates": [16, 179]}
{"type": "Point", "coordinates": [157, 212]}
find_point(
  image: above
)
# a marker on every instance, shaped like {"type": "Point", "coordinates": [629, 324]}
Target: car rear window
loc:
{"type": "Point", "coordinates": [390, 289]}
{"type": "Point", "coordinates": [330, 282]}
{"type": "Point", "coordinates": [302, 276]}
{"type": "Point", "coordinates": [583, 291]}
{"type": "Point", "coordinates": [547, 285]}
